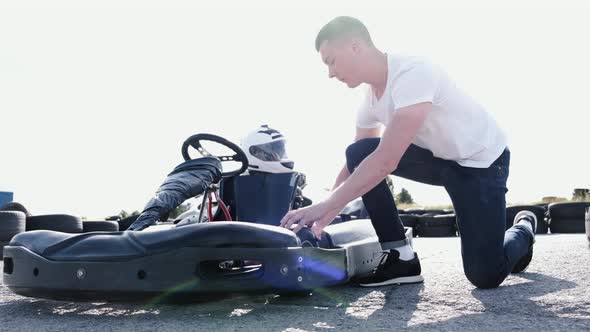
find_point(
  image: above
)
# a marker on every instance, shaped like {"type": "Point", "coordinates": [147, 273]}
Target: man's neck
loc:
{"type": "Point", "coordinates": [377, 72]}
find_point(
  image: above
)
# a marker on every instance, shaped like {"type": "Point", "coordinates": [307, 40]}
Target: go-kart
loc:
{"type": "Point", "coordinates": [192, 258]}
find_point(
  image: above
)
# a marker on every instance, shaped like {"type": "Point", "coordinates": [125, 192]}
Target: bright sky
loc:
{"type": "Point", "coordinates": [96, 97]}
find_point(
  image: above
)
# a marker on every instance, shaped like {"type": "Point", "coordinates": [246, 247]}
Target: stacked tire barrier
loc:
{"type": "Point", "coordinates": [55, 222]}
{"type": "Point", "coordinates": [11, 223]}
{"type": "Point", "coordinates": [423, 222]}
{"type": "Point", "coordinates": [100, 226]}
{"type": "Point", "coordinates": [15, 219]}
{"type": "Point", "coordinates": [410, 220]}
{"type": "Point", "coordinates": [588, 223]}
{"type": "Point", "coordinates": [430, 223]}
{"type": "Point", "coordinates": [442, 225]}
{"type": "Point", "coordinates": [15, 206]}
{"type": "Point", "coordinates": [538, 210]}
{"type": "Point", "coordinates": [567, 217]}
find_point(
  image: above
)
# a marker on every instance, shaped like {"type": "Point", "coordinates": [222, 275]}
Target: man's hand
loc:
{"type": "Point", "coordinates": [317, 216]}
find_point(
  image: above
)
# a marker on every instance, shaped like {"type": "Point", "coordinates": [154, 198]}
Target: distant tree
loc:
{"type": "Point", "coordinates": [581, 195]}
{"type": "Point", "coordinates": [404, 197]}
{"type": "Point", "coordinates": [123, 214]}
{"type": "Point", "coordinates": [553, 199]}
{"type": "Point", "coordinates": [389, 183]}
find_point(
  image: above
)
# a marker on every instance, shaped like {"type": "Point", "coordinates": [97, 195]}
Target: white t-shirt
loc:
{"type": "Point", "coordinates": [457, 128]}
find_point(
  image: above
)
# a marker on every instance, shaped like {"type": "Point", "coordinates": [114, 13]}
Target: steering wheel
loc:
{"type": "Point", "coordinates": [195, 142]}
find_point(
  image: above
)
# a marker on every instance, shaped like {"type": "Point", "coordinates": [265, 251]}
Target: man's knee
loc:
{"type": "Point", "coordinates": [359, 150]}
{"type": "Point", "coordinates": [352, 154]}
{"type": "Point", "coordinates": [484, 277]}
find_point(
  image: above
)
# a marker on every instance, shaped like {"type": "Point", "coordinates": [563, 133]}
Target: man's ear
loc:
{"type": "Point", "coordinates": [356, 46]}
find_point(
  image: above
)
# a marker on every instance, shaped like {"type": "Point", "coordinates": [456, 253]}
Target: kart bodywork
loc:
{"type": "Point", "coordinates": [185, 261]}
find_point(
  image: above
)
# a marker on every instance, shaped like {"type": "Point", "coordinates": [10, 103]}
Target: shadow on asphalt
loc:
{"type": "Point", "coordinates": [512, 306]}
{"type": "Point", "coordinates": [345, 304]}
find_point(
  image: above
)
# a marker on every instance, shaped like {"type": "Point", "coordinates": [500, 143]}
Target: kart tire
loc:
{"type": "Point", "coordinates": [100, 226]}
{"type": "Point", "coordinates": [438, 226]}
{"type": "Point", "coordinates": [11, 223]}
{"type": "Point", "coordinates": [567, 210]}
{"type": "Point", "coordinates": [55, 222]}
{"type": "Point", "coordinates": [539, 212]}
{"type": "Point", "coordinates": [15, 206]}
{"type": "Point", "coordinates": [567, 225]}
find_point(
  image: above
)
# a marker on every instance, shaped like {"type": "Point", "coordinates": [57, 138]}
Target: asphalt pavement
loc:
{"type": "Point", "coordinates": [554, 294]}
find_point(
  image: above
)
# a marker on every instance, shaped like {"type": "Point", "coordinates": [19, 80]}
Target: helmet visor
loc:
{"type": "Point", "coordinates": [273, 151]}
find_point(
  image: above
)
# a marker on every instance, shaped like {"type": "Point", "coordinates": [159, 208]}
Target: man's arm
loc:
{"type": "Point", "coordinates": [397, 137]}
{"type": "Point", "coordinates": [360, 134]}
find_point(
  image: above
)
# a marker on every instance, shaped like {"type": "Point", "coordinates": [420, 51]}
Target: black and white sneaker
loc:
{"type": "Point", "coordinates": [529, 217]}
{"type": "Point", "coordinates": [392, 270]}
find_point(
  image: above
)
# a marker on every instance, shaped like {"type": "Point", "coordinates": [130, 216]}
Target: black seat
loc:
{"type": "Point", "coordinates": [99, 246]}
{"type": "Point", "coordinates": [262, 198]}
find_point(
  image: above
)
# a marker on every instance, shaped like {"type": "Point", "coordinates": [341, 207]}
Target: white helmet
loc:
{"type": "Point", "coordinates": [265, 148]}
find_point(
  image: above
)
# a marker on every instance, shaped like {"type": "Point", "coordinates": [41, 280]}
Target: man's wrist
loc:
{"type": "Point", "coordinates": [332, 202]}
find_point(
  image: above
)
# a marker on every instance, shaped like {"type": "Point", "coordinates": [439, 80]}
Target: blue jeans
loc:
{"type": "Point", "coordinates": [478, 195]}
